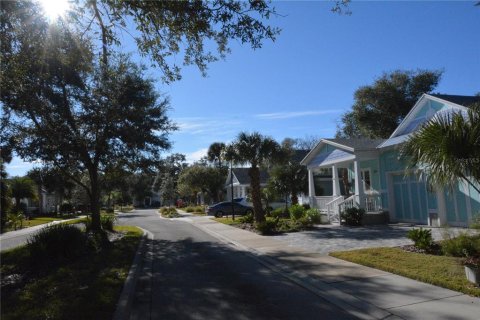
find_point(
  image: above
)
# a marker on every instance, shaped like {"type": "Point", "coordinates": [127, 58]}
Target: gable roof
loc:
{"type": "Point", "coordinates": [243, 178]}
{"type": "Point", "coordinates": [351, 145]}
{"type": "Point", "coordinates": [465, 101]}
{"type": "Point", "coordinates": [357, 144]}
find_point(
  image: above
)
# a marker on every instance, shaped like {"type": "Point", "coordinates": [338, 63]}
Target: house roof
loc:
{"type": "Point", "coordinates": [357, 143]}
{"type": "Point", "coordinates": [243, 178]}
{"type": "Point", "coordinates": [465, 101]}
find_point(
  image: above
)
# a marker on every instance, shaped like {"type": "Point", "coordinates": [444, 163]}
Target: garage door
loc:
{"type": "Point", "coordinates": [410, 196]}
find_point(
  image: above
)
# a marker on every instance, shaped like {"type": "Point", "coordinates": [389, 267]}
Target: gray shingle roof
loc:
{"type": "Point", "coordinates": [244, 178]}
{"type": "Point", "coordinates": [465, 101]}
{"type": "Point", "coordinates": [358, 143]}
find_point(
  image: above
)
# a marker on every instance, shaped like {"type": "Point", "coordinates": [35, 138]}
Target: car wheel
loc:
{"type": "Point", "coordinates": [218, 214]}
{"type": "Point", "coordinates": [248, 211]}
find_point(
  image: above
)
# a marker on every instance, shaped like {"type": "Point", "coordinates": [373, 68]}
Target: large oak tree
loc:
{"type": "Point", "coordinates": [63, 106]}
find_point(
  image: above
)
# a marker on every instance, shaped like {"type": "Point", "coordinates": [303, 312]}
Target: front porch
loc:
{"type": "Point", "coordinates": [342, 177]}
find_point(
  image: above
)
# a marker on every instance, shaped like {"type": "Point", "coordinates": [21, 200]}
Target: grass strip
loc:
{"type": "Point", "coordinates": [87, 288]}
{"type": "Point", "coordinates": [446, 272]}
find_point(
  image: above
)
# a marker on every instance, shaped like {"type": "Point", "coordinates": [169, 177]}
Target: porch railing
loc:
{"type": "Point", "coordinates": [333, 211]}
{"type": "Point", "coordinates": [373, 203]}
{"type": "Point", "coordinates": [321, 203]}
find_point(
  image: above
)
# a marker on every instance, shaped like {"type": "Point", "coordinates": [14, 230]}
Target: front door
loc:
{"type": "Point", "coordinates": [410, 197]}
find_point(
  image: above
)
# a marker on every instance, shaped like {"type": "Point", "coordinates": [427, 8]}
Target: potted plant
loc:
{"type": "Point", "coordinates": [472, 269]}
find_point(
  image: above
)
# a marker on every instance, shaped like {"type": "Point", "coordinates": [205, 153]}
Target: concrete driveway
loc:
{"type": "Point", "coordinates": [328, 238]}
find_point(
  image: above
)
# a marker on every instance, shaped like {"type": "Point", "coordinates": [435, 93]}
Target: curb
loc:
{"type": "Point", "coordinates": [125, 302]}
{"type": "Point", "coordinates": [350, 304]}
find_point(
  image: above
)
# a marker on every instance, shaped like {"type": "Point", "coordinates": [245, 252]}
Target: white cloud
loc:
{"type": "Point", "coordinates": [196, 155]}
{"type": "Point", "coordinates": [295, 114]}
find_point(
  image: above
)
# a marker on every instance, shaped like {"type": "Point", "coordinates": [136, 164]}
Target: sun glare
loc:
{"type": "Point", "coordinates": [55, 8]}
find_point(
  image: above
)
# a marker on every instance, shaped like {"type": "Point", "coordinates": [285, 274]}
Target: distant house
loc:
{"type": "Point", "coordinates": [370, 174]}
{"type": "Point", "coordinates": [241, 182]}
{"type": "Point", "coordinates": [46, 202]}
{"type": "Point", "coordinates": [241, 179]}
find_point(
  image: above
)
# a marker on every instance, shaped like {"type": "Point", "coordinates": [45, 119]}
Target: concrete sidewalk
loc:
{"type": "Point", "coordinates": [364, 292]}
{"type": "Point", "coordinates": [12, 239]}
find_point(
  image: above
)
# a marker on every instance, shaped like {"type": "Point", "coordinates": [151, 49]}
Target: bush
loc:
{"type": "Point", "coordinates": [461, 246]}
{"type": "Point", "coordinates": [59, 242]}
{"type": "Point", "coordinates": [266, 227]}
{"type": "Point", "coordinates": [108, 221]}
{"type": "Point", "coordinates": [422, 238]}
{"type": "Point", "coordinates": [287, 225]}
{"type": "Point", "coordinates": [352, 216]}
{"type": "Point", "coordinates": [306, 206]}
{"type": "Point", "coordinates": [16, 219]}
{"type": "Point", "coordinates": [66, 208]}
{"type": "Point", "coordinates": [110, 210]}
{"type": "Point", "coordinates": [248, 218]}
{"type": "Point", "coordinates": [313, 215]}
{"type": "Point", "coordinates": [169, 212]}
{"type": "Point", "coordinates": [189, 209]}
{"type": "Point", "coordinates": [296, 211]}
{"type": "Point", "coordinates": [200, 209]}
{"type": "Point", "coordinates": [277, 213]}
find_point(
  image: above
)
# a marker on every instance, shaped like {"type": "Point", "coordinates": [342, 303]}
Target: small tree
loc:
{"type": "Point", "coordinates": [447, 149]}
{"type": "Point", "coordinates": [22, 187]}
{"type": "Point", "coordinates": [257, 151]}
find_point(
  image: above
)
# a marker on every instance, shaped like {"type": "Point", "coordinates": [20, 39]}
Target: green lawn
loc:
{"type": "Point", "coordinates": [35, 222]}
{"type": "Point", "coordinates": [228, 221]}
{"type": "Point", "coordinates": [442, 271]}
{"type": "Point", "coordinates": [85, 289]}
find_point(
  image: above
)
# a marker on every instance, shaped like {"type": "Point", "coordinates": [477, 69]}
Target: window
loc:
{"type": "Point", "coordinates": [365, 174]}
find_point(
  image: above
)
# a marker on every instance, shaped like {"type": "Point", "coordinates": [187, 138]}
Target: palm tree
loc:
{"type": "Point", "coordinates": [22, 187]}
{"type": "Point", "coordinates": [447, 149]}
{"type": "Point", "coordinates": [215, 152]}
{"type": "Point", "coordinates": [257, 151]}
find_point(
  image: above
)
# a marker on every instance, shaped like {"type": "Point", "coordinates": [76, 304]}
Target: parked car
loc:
{"type": "Point", "coordinates": [278, 203]}
{"type": "Point", "coordinates": [225, 208]}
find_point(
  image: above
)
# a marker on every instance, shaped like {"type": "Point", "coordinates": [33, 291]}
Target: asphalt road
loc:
{"type": "Point", "coordinates": [188, 274]}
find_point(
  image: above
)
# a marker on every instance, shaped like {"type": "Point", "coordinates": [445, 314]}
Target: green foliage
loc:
{"type": "Point", "coordinates": [66, 208]}
{"type": "Point", "coordinates": [189, 209]}
{"type": "Point", "coordinates": [108, 221]}
{"type": "Point", "coordinates": [266, 227]}
{"type": "Point", "coordinates": [278, 212]}
{"type": "Point", "coordinates": [462, 245]}
{"type": "Point", "coordinates": [313, 215]}
{"type": "Point", "coordinates": [296, 211]}
{"type": "Point", "coordinates": [379, 108]}
{"type": "Point", "coordinates": [422, 238]}
{"type": "Point", "coordinates": [169, 212]}
{"type": "Point", "coordinates": [57, 243]}
{"type": "Point", "coordinates": [199, 178]}
{"type": "Point", "coordinates": [447, 148]}
{"type": "Point", "coordinates": [15, 220]}
{"type": "Point", "coordinates": [475, 224]}
{"type": "Point", "coordinates": [258, 151]}
{"type": "Point", "coordinates": [248, 218]}
{"type": "Point", "coordinates": [352, 216]}
{"type": "Point", "coordinates": [22, 187]}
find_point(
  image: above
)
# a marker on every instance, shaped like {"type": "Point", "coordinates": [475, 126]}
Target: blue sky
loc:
{"type": "Point", "coordinates": [302, 83]}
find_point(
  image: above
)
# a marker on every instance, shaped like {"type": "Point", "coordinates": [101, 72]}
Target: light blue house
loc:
{"type": "Point", "coordinates": [370, 174]}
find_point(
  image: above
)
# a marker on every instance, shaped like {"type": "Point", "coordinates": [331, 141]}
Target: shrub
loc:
{"type": "Point", "coordinates": [287, 225]}
{"type": "Point", "coordinates": [248, 218]}
{"type": "Point", "coordinates": [200, 209]}
{"type": "Point", "coordinates": [169, 212]}
{"type": "Point", "coordinates": [16, 219]}
{"type": "Point", "coordinates": [306, 206]}
{"type": "Point", "coordinates": [266, 227]}
{"type": "Point", "coordinates": [313, 215]}
{"type": "Point", "coordinates": [66, 208]}
{"type": "Point", "coordinates": [353, 216]}
{"type": "Point", "coordinates": [110, 210]}
{"type": "Point", "coordinates": [422, 238]}
{"type": "Point", "coordinates": [59, 242]}
{"type": "Point", "coordinates": [461, 246]}
{"type": "Point", "coordinates": [189, 209]}
{"type": "Point", "coordinates": [108, 221]}
{"type": "Point", "coordinates": [296, 211]}
{"type": "Point", "coordinates": [277, 213]}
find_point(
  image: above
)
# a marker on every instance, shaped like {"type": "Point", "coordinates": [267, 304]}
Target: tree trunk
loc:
{"type": "Point", "coordinates": [294, 198]}
{"type": "Point", "coordinates": [254, 173]}
{"type": "Point", "coordinates": [95, 200]}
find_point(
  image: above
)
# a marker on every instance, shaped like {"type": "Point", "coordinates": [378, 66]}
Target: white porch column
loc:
{"type": "Point", "coordinates": [311, 184]}
{"type": "Point", "coordinates": [441, 207]}
{"type": "Point", "coordinates": [359, 192]}
{"type": "Point", "coordinates": [335, 182]}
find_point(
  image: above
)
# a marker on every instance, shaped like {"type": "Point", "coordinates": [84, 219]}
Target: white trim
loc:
{"type": "Point", "coordinates": [332, 162]}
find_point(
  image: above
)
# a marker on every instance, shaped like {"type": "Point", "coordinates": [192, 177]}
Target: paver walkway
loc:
{"type": "Point", "coordinates": [365, 292]}
{"type": "Point", "coordinates": [328, 238]}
